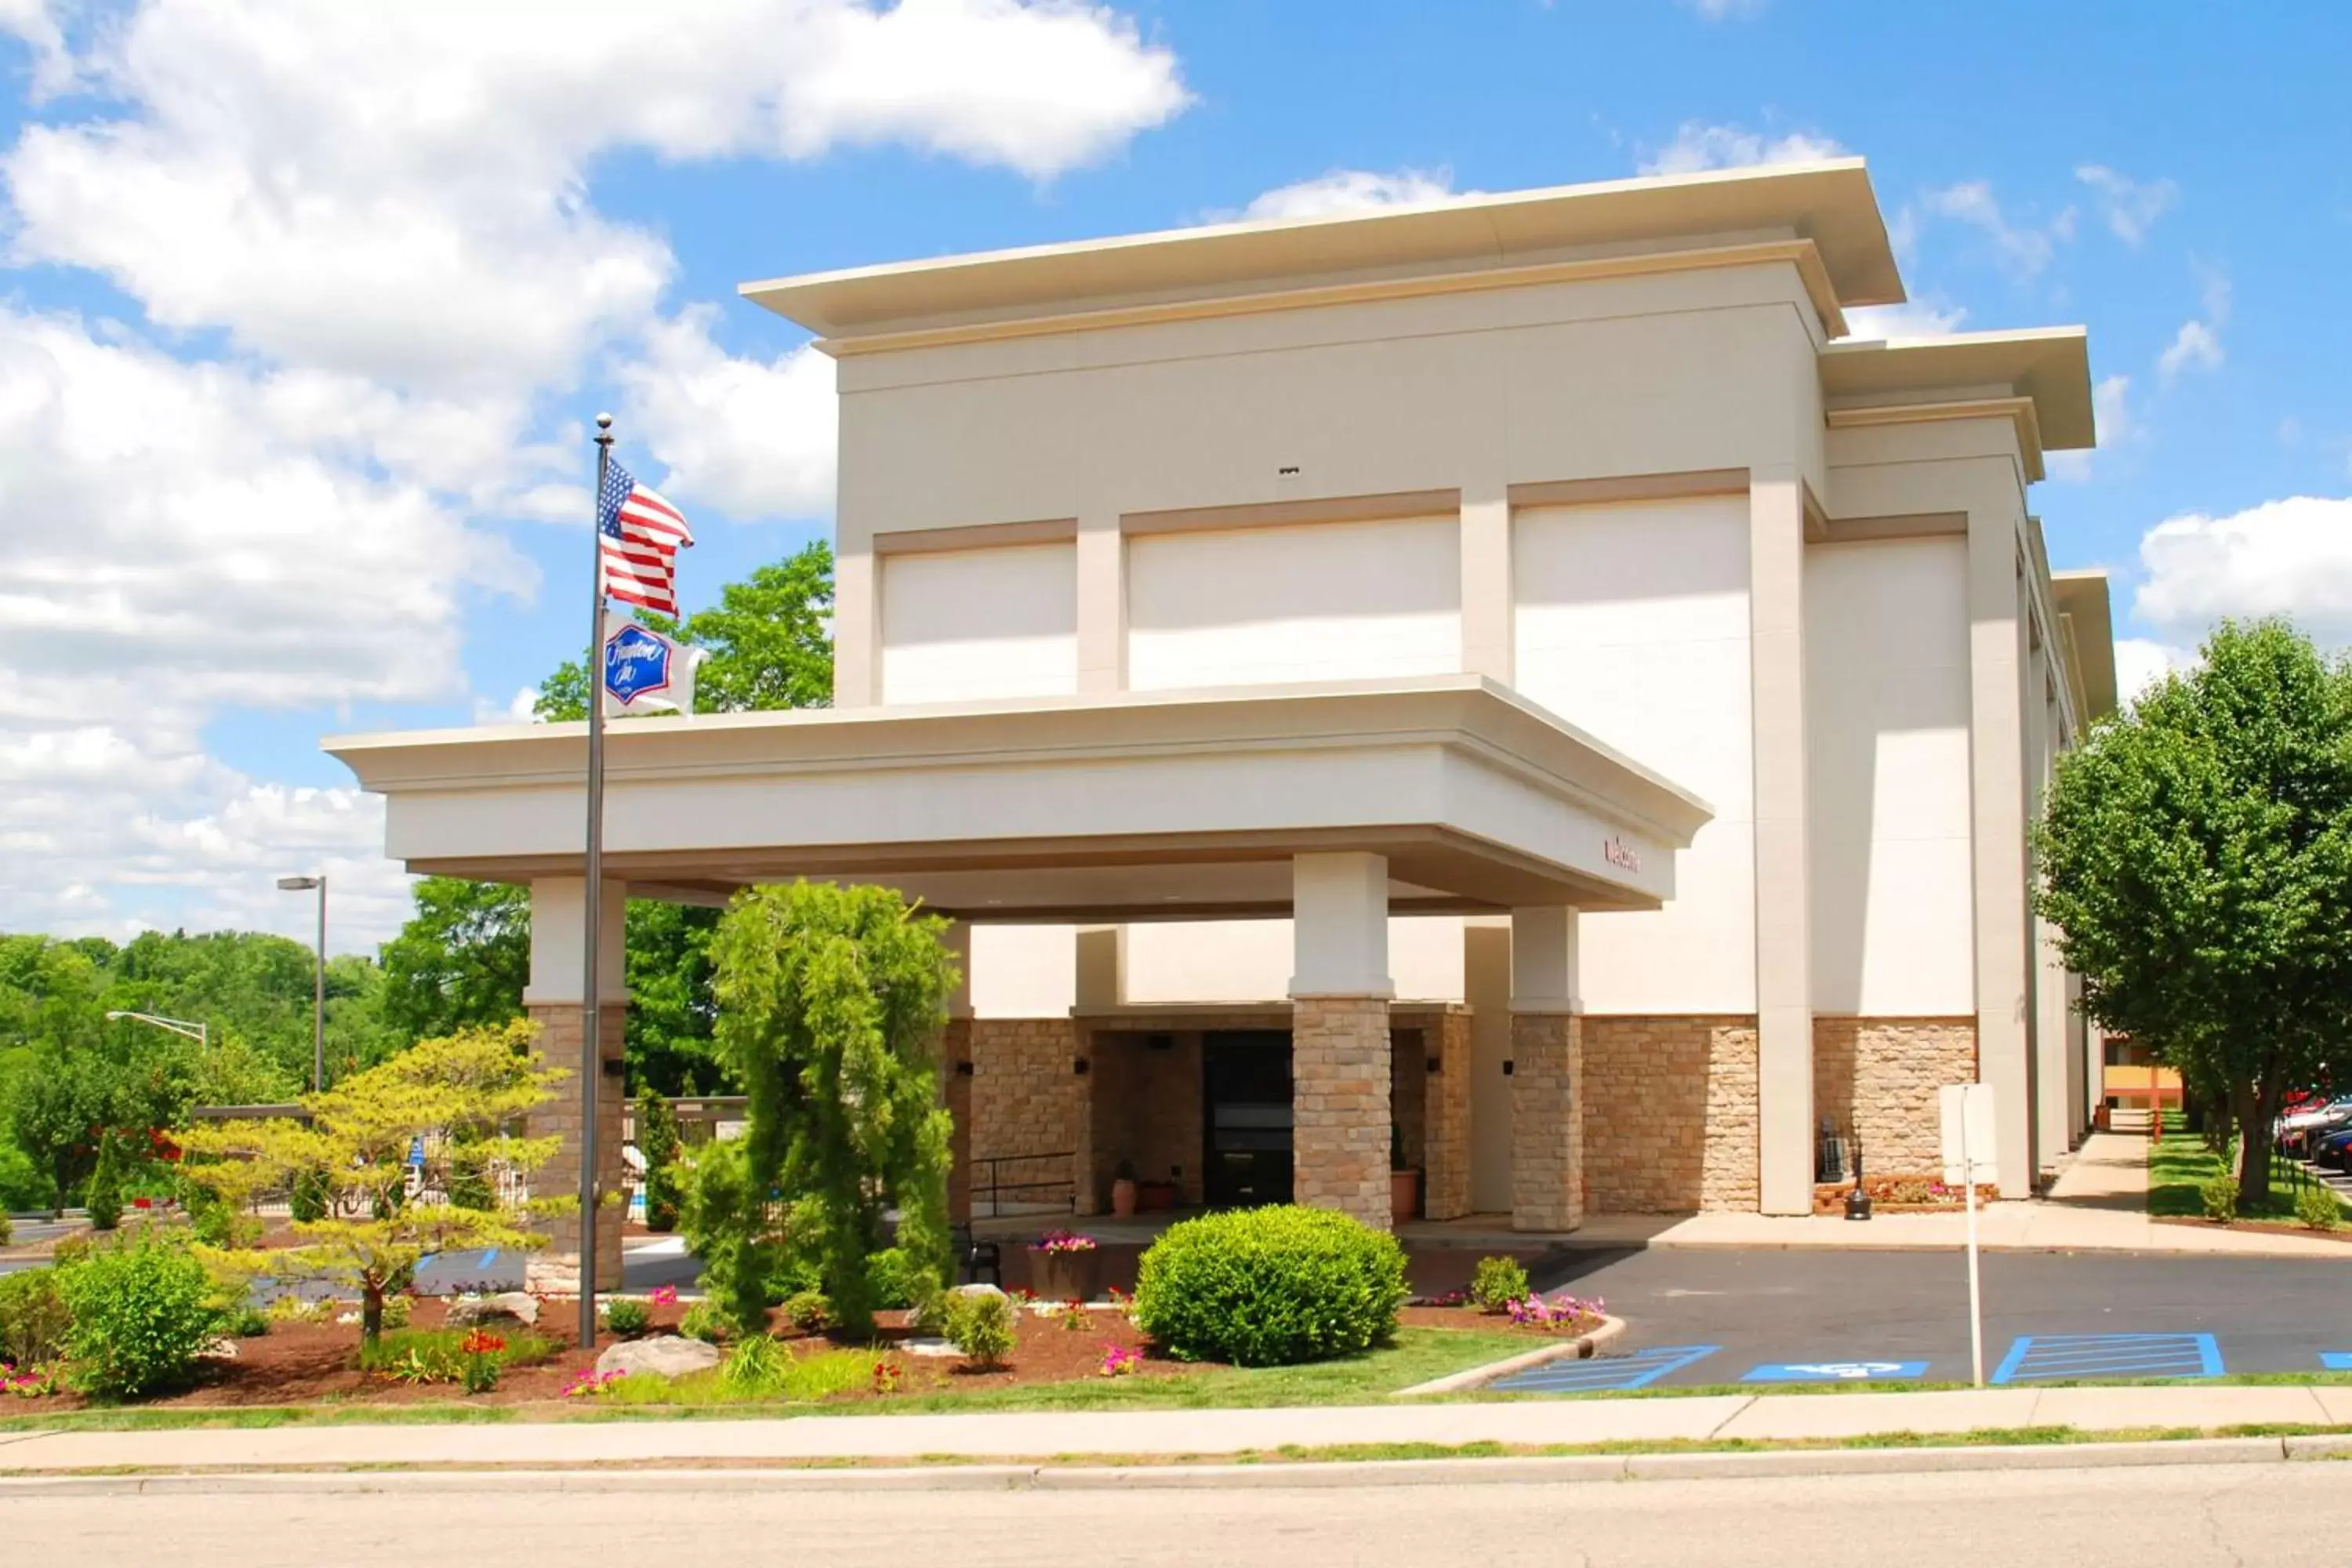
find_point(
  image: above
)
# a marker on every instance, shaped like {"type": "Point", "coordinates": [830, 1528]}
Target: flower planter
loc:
{"type": "Point", "coordinates": [1122, 1198]}
{"type": "Point", "coordinates": [1064, 1276]}
{"type": "Point", "coordinates": [1155, 1197]}
{"type": "Point", "coordinates": [1404, 1194]}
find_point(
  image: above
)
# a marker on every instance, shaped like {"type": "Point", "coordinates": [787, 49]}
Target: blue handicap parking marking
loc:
{"type": "Point", "coordinates": [1604, 1374]}
{"type": "Point", "coordinates": [2038, 1357]}
{"type": "Point", "coordinates": [1835, 1370]}
{"type": "Point", "coordinates": [2336, 1361]}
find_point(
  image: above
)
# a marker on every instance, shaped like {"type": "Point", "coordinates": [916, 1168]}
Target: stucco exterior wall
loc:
{"type": "Point", "coordinates": [1250, 961]}
{"type": "Point", "coordinates": [968, 624]}
{"type": "Point", "coordinates": [1632, 625]}
{"type": "Point", "coordinates": [1886, 654]}
{"type": "Point", "coordinates": [1670, 1107]}
{"type": "Point", "coordinates": [1327, 602]}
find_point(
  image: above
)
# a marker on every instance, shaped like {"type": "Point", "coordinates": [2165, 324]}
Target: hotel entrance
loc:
{"type": "Point", "coordinates": [1246, 1119]}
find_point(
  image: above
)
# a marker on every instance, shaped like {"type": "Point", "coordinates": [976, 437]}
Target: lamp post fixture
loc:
{"type": "Point", "coordinates": [319, 978]}
{"type": "Point", "coordinates": [200, 1032]}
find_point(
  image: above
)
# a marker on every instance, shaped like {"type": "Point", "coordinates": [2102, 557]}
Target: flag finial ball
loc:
{"type": "Point", "coordinates": [603, 421]}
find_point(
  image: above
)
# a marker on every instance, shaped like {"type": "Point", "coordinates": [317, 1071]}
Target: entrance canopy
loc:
{"type": "Point", "coordinates": [1123, 807]}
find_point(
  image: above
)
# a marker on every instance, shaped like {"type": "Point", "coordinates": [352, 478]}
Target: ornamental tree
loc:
{"type": "Point", "coordinates": [2197, 857]}
{"type": "Point", "coordinates": [830, 1006]}
{"type": "Point", "coordinates": [455, 1098]}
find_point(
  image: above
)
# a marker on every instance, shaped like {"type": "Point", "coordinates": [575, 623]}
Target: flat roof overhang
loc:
{"type": "Point", "coordinates": [1828, 202]}
{"type": "Point", "coordinates": [1137, 805]}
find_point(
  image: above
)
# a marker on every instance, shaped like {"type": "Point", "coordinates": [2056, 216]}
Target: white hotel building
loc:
{"type": "Point", "coordinates": [1511, 685]}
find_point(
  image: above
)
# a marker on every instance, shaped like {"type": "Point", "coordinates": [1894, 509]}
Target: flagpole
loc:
{"type": "Point", "coordinates": [591, 1044]}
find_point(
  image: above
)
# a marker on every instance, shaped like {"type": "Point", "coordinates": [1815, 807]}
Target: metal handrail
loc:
{"type": "Point", "coordinates": [995, 1187]}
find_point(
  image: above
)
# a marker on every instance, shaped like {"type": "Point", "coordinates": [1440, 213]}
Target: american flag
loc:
{"type": "Point", "coordinates": [641, 536]}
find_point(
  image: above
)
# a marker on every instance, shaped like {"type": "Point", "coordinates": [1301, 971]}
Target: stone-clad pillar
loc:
{"type": "Point", "coordinates": [1446, 1111]}
{"type": "Point", "coordinates": [1546, 1072]}
{"type": "Point", "coordinates": [552, 1001]}
{"type": "Point", "coordinates": [1339, 1064]}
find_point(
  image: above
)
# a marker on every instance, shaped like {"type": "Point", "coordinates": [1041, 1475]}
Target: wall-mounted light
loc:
{"type": "Point", "coordinates": [1437, 1064]}
{"type": "Point", "coordinates": [1507, 1069]}
{"type": "Point", "coordinates": [1078, 1068]}
{"type": "Point", "coordinates": [964, 1069]}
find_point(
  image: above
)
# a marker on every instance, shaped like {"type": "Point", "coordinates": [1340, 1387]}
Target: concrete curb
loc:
{"type": "Point", "coordinates": [1530, 1470]}
{"type": "Point", "coordinates": [1581, 1348]}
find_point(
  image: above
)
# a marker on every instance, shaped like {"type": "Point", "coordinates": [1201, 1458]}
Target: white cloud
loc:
{"type": "Point", "coordinates": [2117, 426]}
{"type": "Point", "coordinates": [398, 191]}
{"type": "Point", "coordinates": [1697, 145]}
{"type": "Point", "coordinates": [2193, 347]}
{"type": "Point", "coordinates": [2141, 662]}
{"type": "Point", "coordinates": [1718, 10]}
{"type": "Point", "coordinates": [363, 241]}
{"type": "Point", "coordinates": [2130, 206]}
{"type": "Point", "coordinates": [2197, 344]}
{"type": "Point", "coordinates": [2290, 557]}
{"type": "Point", "coordinates": [1353, 190]}
{"type": "Point", "coordinates": [1912, 319]}
{"type": "Point", "coordinates": [517, 710]}
{"type": "Point", "coordinates": [752, 438]}
{"type": "Point", "coordinates": [2021, 249]}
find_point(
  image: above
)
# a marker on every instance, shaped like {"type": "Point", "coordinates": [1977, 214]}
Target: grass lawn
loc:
{"type": "Point", "coordinates": [2181, 1165]}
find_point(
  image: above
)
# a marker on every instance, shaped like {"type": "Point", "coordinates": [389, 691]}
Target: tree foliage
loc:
{"type": "Point", "coordinates": [657, 1143]}
{"type": "Point", "coordinates": [462, 959]}
{"type": "Point", "coordinates": [830, 1004]}
{"type": "Point", "coordinates": [457, 1098]}
{"type": "Point", "coordinates": [2196, 856]}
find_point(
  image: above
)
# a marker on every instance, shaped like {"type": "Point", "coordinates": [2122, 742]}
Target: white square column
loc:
{"type": "Point", "coordinates": [1784, 978]}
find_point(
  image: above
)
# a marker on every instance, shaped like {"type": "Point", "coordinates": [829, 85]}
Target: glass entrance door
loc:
{"type": "Point", "coordinates": [1245, 1101]}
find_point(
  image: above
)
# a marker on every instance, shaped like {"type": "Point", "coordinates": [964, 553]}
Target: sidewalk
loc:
{"type": "Point", "coordinates": [1162, 1433]}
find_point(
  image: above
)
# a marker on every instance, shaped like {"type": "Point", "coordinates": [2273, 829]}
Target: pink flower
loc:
{"type": "Point", "coordinates": [664, 1296]}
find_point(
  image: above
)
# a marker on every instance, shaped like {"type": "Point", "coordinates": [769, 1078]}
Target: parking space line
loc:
{"type": "Point", "coordinates": [1605, 1374]}
{"type": "Point", "coordinates": [2042, 1357]}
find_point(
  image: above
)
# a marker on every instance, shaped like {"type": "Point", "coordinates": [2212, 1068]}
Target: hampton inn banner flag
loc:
{"type": "Point", "coordinates": [645, 670]}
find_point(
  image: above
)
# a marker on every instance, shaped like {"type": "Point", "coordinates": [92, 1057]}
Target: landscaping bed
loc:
{"type": "Point", "coordinates": [1899, 1194]}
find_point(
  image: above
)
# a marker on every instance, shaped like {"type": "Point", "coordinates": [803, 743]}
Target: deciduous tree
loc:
{"type": "Point", "coordinates": [2197, 857]}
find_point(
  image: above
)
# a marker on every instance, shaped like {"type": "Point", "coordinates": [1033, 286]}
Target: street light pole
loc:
{"type": "Point", "coordinates": [317, 976]}
{"type": "Point", "coordinates": [196, 1030]}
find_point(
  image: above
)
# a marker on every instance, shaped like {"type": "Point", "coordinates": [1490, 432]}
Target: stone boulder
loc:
{"type": "Point", "coordinates": [666, 1355]}
{"type": "Point", "coordinates": [509, 1307]}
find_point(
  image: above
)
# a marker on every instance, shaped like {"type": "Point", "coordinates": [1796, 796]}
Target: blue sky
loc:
{"type": "Point", "coordinates": [306, 308]}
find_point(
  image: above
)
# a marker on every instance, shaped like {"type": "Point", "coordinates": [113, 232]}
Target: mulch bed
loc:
{"type": "Point", "coordinates": [2267, 1227]}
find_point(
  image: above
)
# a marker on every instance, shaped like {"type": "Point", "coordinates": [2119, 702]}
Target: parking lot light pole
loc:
{"type": "Point", "coordinates": [318, 979]}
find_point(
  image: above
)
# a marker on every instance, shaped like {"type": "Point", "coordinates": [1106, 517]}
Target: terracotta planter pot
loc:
{"type": "Point", "coordinates": [1404, 1194]}
{"type": "Point", "coordinates": [1122, 1198]}
{"type": "Point", "coordinates": [1064, 1276]}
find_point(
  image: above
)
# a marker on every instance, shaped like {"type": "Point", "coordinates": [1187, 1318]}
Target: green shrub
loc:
{"type": "Point", "coordinates": [657, 1143]}
{"type": "Point", "coordinates": [756, 1368]}
{"type": "Point", "coordinates": [34, 1317]}
{"type": "Point", "coordinates": [1498, 1282]}
{"type": "Point", "coordinates": [7, 1228]}
{"type": "Point", "coordinates": [707, 1320]}
{"type": "Point", "coordinates": [104, 1198]}
{"type": "Point", "coordinates": [626, 1317]}
{"type": "Point", "coordinates": [142, 1310]}
{"type": "Point", "coordinates": [469, 1173]}
{"type": "Point", "coordinates": [2219, 1193]}
{"type": "Point", "coordinates": [2318, 1208]}
{"type": "Point", "coordinates": [809, 1311]}
{"type": "Point", "coordinates": [980, 1323]}
{"type": "Point", "coordinates": [437, 1355]}
{"type": "Point", "coordinates": [1270, 1287]}
{"type": "Point", "coordinates": [895, 1278]}
{"type": "Point", "coordinates": [245, 1323]}
{"type": "Point", "coordinates": [308, 1199]}
{"type": "Point", "coordinates": [479, 1373]}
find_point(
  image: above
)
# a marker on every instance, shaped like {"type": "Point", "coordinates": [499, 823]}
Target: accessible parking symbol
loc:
{"type": "Point", "coordinates": [1837, 1370]}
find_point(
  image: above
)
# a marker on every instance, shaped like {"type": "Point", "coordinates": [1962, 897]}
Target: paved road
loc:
{"type": "Point", "coordinates": [1811, 1307]}
{"type": "Point", "coordinates": [2183, 1517]}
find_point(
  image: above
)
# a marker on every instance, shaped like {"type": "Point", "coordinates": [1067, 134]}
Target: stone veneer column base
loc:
{"type": "Point", "coordinates": [955, 1093]}
{"type": "Point", "coordinates": [1547, 1121]}
{"type": "Point", "coordinates": [555, 1270]}
{"type": "Point", "coordinates": [1339, 1104]}
{"type": "Point", "coordinates": [1878, 1079]}
{"type": "Point", "coordinates": [1445, 1181]}
{"type": "Point", "coordinates": [1670, 1122]}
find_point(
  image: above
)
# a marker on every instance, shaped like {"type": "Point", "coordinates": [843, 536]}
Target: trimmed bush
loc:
{"type": "Point", "coordinates": [1498, 1282]}
{"type": "Point", "coordinates": [658, 1144]}
{"type": "Point", "coordinates": [34, 1317]}
{"type": "Point", "coordinates": [1270, 1287]}
{"type": "Point", "coordinates": [2219, 1193]}
{"type": "Point", "coordinates": [142, 1310]}
{"type": "Point", "coordinates": [104, 1199]}
{"type": "Point", "coordinates": [809, 1311]}
{"type": "Point", "coordinates": [896, 1278]}
{"type": "Point", "coordinates": [981, 1324]}
{"type": "Point", "coordinates": [2318, 1208]}
{"type": "Point", "coordinates": [626, 1317]}
{"type": "Point", "coordinates": [708, 1322]}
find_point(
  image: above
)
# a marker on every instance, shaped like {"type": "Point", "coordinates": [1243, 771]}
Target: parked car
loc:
{"type": "Point", "coordinates": [2335, 1150]}
{"type": "Point", "coordinates": [2298, 1134]}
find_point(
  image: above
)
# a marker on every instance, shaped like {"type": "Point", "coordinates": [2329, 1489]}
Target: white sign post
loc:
{"type": "Point", "coordinates": [1969, 1149]}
